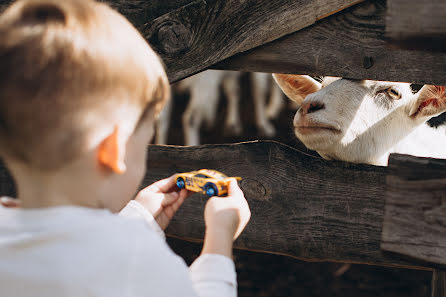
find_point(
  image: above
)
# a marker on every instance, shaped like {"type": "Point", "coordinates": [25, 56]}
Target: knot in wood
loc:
{"type": "Point", "coordinates": [173, 37]}
{"type": "Point", "coordinates": [253, 189]}
{"type": "Point", "coordinates": [436, 215]}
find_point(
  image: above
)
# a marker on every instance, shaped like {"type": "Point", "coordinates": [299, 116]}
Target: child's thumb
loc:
{"type": "Point", "coordinates": [233, 187]}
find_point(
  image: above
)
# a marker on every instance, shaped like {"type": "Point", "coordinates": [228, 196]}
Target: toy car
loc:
{"type": "Point", "coordinates": [209, 182]}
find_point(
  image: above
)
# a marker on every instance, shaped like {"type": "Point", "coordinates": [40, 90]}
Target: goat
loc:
{"type": "Point", "coordinates": [204, 89]}
{"type": "Point", "coordinates": [363, 121]}
{"type": "Point", "coordinates": [265, 110]}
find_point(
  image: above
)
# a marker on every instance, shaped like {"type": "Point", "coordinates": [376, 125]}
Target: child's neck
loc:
{"type": "Point", "coordinates": [64, 187]}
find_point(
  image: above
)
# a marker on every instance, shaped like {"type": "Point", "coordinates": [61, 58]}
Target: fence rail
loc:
{"type": "Point", "coordinates": [353, 44]}
{"type": "Point", "coordinates": [306, 207]}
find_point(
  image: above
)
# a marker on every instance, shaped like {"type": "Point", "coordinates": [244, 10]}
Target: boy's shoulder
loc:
{"type": "Point", "coordinates": [77, 224]}
{"type": "Point", "coordinates": [81, 233]}
{"type": "Point", "coordinates": [79, 248]}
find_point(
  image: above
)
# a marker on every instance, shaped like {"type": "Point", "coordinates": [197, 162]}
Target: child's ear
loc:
{"type": "Point", "coordinates": [297, 87]}
{"type": "Point", "coordinates": [111, 153]}
{"type": "Point", "coordinates": [431, 101]}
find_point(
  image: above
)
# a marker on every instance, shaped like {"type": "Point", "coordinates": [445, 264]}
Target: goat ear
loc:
{"type": "Point", "coordinates": [297, 87]}
{"type": "Point", "coordinates": [431, 101]}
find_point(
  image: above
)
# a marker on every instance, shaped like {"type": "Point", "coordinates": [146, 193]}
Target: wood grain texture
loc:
{"type": "Point", "coordinates": [415, 214]}
{"type": "Point", "coordinates": [190, 36]}
{"type": "Point", "coordinates": [302, 206]}
{"type": "Point", "coordinates": [218, 29]}
{"type": "Point", "coordinates": [438, 283]}
{"type": "Point", "coordinates": [349, 44]}
{"type": "Point", "coordinates": [417, 24]}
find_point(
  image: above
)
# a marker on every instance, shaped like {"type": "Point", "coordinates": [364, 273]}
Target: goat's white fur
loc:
{"type": "Point", "coordinates": [204, 89]}
{"type": "Point", "coordinates": [365, 122]}
{"type": "Point", "coordinates": [265, 110]}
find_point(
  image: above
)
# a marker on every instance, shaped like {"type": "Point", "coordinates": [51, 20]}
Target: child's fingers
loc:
{"type": "Point", "coordinates": [234, 189]}
{"type": "Point", "coordinates": [172, 209]}
{"type": "Point", "coordinates": [185, 193]}
{"type": "Point", "coordinates": [164, 185]}
{"type": "Point", "coordinates": [164, 199]}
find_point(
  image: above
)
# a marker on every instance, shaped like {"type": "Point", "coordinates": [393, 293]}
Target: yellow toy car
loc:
{"type": "Point", "coordinates": [209, 182]}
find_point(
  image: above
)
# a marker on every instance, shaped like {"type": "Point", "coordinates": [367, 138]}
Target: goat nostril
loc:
{"type": "Point", "coordinates": [315, 106]}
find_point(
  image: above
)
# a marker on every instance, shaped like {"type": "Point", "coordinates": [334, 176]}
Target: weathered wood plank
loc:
{"type": "Point", "coordinates": [203, 33]}
{"type": "Point", "coordinates": [415, 213]}
{"type": "Point", "coordinates": [302, 206]}
{"type": "Point", "coordinates": [417, 24]}
{"type": "Point", "coordinates": [438, 283]}
{"type": "Point", "coordinates": [349, 44]}
{"type": "Point", "coordinates": [190, 36]}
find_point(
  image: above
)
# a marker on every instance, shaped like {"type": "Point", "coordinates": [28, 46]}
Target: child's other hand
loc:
{"type": "Point", "coordinates": [162, 199]}
{"type": "Point", "coordinates": [228, 215]}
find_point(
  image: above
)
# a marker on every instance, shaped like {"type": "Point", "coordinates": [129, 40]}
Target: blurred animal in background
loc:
{"type": "Point", "coordinates": [266, 109]}
{"type": "Point", "coordinates": [204, 91]}
{"type": "Point", "coordinates": [363, 121]}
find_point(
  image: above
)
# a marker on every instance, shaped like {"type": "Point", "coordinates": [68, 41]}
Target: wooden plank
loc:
{"type": "Point", "coordinates": [302, 206]}
{"type": "Point", "coordinates": [349, 44]}
{"type": "Point", "coordinates": [203, 33]}
{"type": "Point", "coordinates": [438, 283]}
{"type": "Point", "coordinates": [192, 37]}
{"type": "Point", "coordinates": [415, 213]}
{"type": "Point", "coordinates": [417, 24]}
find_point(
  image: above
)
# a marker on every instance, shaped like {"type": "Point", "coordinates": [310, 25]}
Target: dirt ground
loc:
{"type": "Point", "coordinates": [267, 275]}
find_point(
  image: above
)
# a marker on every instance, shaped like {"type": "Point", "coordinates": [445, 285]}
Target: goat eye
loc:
{"type": "Point", "coordinates": [393, 93]}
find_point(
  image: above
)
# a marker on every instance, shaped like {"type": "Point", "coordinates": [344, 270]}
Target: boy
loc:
{"type": "Point", "coordinates": [79, 92]}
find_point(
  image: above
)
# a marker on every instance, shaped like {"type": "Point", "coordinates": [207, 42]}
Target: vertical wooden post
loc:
{"type": "Point", "coordinates": [439, 283]}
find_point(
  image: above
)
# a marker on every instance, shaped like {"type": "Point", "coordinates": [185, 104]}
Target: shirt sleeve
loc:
{"type": "Point", "coordinates": [210, 275]}
{"type": "Point", "coordinates": [134, 209]}
{"type": "Point", "coordinates": [214, 275]}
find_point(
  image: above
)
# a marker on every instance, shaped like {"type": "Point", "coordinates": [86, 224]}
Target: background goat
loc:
{"type": "Point", "coordinates": [203, 105]}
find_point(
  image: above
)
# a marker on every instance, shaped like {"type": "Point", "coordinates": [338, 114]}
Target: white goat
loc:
{"type": "Point", "coordinates": [364, 121]}
{"type": "Point", "coordinates": [204, 89]}
{"type": "Point", "coordinates": [265, 110]}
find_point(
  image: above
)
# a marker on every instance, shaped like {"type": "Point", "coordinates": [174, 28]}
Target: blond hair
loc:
{"type": "Point", "coordinates": [68, 70]}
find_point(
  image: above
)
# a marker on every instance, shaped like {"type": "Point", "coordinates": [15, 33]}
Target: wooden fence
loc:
{"type": "Point", "coordinates": [323, 37]}
{"type": "Point", "coordinates": [317, 210]}
{"type": "Point", "coordinates": [303, 206]}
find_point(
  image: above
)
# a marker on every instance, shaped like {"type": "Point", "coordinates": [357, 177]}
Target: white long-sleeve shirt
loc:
{"type": "Point", "coordinates": [75, 251]}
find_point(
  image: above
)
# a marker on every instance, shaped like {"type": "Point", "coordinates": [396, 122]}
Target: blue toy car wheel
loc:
{"type": "Point", "coordinates": [180, 183]}
{"type": "Point", "coordinates": [211, 190]}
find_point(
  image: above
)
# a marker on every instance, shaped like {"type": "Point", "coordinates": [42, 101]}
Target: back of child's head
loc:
{"type": "Point", "coordinates": [70, 70]}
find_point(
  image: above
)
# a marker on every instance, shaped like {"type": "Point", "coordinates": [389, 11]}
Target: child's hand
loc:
{"type": "Point", "coordinates": [162, 199]}
{"type": "Point", "coordinates": [225, 219]}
